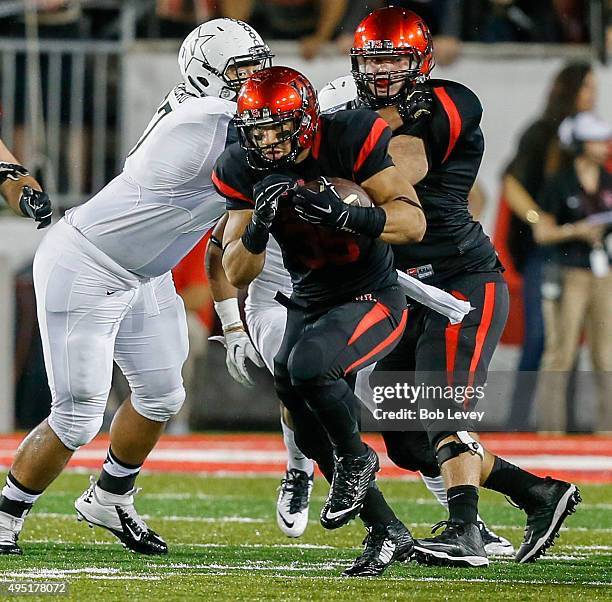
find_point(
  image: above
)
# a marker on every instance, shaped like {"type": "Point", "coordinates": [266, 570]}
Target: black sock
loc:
{"type": "Point", "coordinates": [117, 477]}
{"type": "Point", "coordinates": [463, 503]}
{"type": "Point", "coordinates": [375, 508]}
{"type": "Point", "coordinates": [511, 480]}
{"type": "Point", "coordinates": [332, 406]}
{"type": "Point", "coordinates": [17, 507]}
{"type": "Point", "coordinates": [14, 508]}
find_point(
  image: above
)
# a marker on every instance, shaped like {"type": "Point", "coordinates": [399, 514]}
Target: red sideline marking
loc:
{"type": "Point", "coordinates": [264, 453]}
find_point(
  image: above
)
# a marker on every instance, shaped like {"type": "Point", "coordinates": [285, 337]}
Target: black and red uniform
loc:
{"type": "Point", "coordinates": [346, 310]}
{"type": "Point", "coordinates": [455, 253]}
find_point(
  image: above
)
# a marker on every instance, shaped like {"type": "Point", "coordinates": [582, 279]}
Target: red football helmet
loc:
{"type": "Point", "coordinates": [281, 97]}
{"type": "Point", "coordinates": [391, 33]}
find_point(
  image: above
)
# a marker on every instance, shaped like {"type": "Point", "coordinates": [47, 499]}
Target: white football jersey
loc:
{"type": "Point", "coordinates": [272, 279]}
{"type": "Point", "coordinates": [152, 214]}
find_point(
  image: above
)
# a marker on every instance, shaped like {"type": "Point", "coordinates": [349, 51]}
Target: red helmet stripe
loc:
{"type": "Point", "coordinates": [370, 142]}
{"type": "Point", "coordinates": [454, 119]}
{"type": "Point", "coordinates": [228, 191]}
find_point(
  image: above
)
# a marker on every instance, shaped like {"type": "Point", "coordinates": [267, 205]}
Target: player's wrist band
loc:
{"type": "Point", "coordinates": [229, 313]}
{"type": "Point", "coordinates": [366, 220]}
{"type": "Point", "coordinates": [255, 238]}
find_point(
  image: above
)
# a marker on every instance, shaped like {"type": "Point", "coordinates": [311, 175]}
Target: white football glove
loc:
{"type": "Point", "coordinates": [239, 347]}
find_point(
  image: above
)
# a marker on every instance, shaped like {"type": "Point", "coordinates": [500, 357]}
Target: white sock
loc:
{"type": "Point", "coordinates": [438, 489]}
{"type": "Point", "coordinates": [295, 458]}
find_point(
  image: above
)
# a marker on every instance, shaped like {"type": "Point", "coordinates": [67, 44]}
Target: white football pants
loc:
{"type": "Point", "coordinates": [92, 311]}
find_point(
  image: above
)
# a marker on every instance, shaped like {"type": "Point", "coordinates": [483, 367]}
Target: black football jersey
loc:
{"type": "Point", "coordinates": [454, 242]}
{"type": "Point", "coordinates": [326, 265]}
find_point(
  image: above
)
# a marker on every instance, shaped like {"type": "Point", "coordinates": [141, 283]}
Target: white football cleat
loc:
{"type": "Point", "coordinates": [10, 527]}
{"type": "Point", "coordinates": [116, 513]}
{"type": "Point", "coordinates": [495, 545]}
{"type": "Point", "coordinates": [293, 502]}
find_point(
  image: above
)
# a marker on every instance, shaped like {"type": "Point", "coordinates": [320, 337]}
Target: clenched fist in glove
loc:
{"type": "Point", "coordinates": [37, 205]}
{"type": "Point", "coordinates": [239, 347]}
{"type": "Point", "coordinates": [266, 195]}
{"type": "Point", "coordinates": [415, 105]}
{"type": "Point", "coordinates": [325, 207]}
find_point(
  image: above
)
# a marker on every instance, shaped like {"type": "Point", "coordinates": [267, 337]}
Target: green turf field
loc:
{"type": "Point", "coordinates": [224, 545]}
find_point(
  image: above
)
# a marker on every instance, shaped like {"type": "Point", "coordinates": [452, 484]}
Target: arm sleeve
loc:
{"type": "Point", "coordinates": [456, 116]}
{"type": "Point", "coordinates": [229, 182]}
{"type": "Point", "coordinates": [367, 154]}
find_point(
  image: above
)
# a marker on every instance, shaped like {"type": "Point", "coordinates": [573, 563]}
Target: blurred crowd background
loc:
{"type": "Point", "coordinates": [70, 109]}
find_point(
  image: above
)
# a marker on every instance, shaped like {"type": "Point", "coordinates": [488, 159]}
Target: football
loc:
{"type": "Point", "coordinates": [350, 193]}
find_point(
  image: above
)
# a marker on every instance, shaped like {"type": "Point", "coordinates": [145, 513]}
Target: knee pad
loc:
{"type": "Point", "coordinates": [412, 451]}
{"type": "Point", "coordinates": [162, 407]}
{"type": "Point", "coordinates": [307, 364]}
{"type": "Point", "coordinates": [466, 444]}
{"type": "Point", "coordinates": [75, 429]}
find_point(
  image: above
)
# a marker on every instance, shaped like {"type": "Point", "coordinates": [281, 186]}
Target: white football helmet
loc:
{"type": "Point", "coordinates": [337, 94]}
{"type": "Point", "coordinates": [212, 48]}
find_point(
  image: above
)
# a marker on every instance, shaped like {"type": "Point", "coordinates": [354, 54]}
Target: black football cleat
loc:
{"type": "Point", "coordinates": [352, 477]}
{"type": "Point", "coordinates": [551, 502]}
{"type": "Point", "coordinates": [384, 545]}
{"type": "Point", "coordinates": [460, 544]}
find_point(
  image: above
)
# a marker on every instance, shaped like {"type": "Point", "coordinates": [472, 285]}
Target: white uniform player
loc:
{"type": "Point", "coordinates": [105, 292]}
{"type": "Point", "coordinates": [265, 320]}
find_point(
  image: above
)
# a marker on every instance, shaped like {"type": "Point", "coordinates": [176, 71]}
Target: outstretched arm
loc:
{"type": "Point", "coordinates": [21, 191]}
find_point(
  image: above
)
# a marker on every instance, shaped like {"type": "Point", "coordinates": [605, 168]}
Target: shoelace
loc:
{"type": "Point", "coordinates": [450, 527]}
{"type": "Point", "coordinates": [373, 541]}
{"type": "Point", "coordinates": [344, 483]}
{"type": "Point", "coordinates": [11, 537]}
{"type": "Point", "coordinates": [128, 509]}
{"type": "Point", "coordinates": [296, 483]}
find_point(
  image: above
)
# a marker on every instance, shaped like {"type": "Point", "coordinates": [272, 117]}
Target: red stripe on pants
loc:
{"type": "Point", "coordinates": [383, 345]}
{"type": "Point", "coordinates": [378, 313]}
{"type": "Point", "coordinates": [451, 335]}
{"type": "Point", "coordinates": [483, 328]}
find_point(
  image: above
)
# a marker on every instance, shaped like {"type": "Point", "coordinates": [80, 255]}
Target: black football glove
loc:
{"type": "Point", "coordinates": [12, 171]}
{"type": "Point", "coordinates": [37, 205]}
{"type": "Point", "coordinates": [323, 207]}
{"type": "Point", "coordinates": [416, 105]}
{"type": "Point", "coordinates": [326, 208]}
{"type": "Point", "coordinates": [266, 195]}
